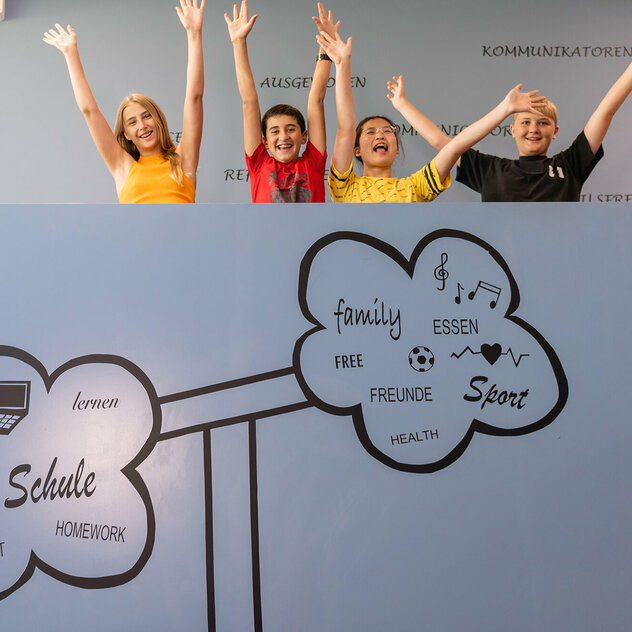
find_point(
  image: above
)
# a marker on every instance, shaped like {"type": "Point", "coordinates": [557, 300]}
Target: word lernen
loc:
{"type": "Point", "coordinates": [97, 403]}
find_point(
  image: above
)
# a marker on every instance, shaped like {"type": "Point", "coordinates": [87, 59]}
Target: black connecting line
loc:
{"type": "Point", "coordinates": [205, 428]}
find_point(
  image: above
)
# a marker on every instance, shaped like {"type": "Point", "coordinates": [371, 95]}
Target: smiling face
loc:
{"type": "Point", "coordinates": [533, 133]}
{"type": "Point", "coordinates": [376, 145]}
{"type": "Point", "coordinates": [141, 129]}
{"type": "Point", "coordinates": [283, 137]}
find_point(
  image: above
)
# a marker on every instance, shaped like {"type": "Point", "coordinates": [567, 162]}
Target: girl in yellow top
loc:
{"type": "Point", "coordinates": [375, 144]}
{"type": "Point", "coordinates": [140, 155]}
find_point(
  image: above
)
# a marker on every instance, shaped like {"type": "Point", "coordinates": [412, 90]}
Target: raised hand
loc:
{"type": "Point", "coordinates": [398, 93]}
{"type": "Point", "coordinates": [517, 101]}
{"type": "Point", "coordinates": [65, 41]}
{"type": "Point", "coordinates": [241, 25]}
{"type": "Point", "coordinates": [191, 15]}
{"type": "Point", "coordinates": [325, 21]}
{"type": "Point", "coordinates": [337, 49]}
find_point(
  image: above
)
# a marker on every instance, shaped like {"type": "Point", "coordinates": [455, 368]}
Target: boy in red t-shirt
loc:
{"type": "Point", "coordinates": [272, 144]}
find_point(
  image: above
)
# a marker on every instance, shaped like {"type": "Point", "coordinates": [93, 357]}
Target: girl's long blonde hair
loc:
{"type": "Point", "coordinates": [167, 148]}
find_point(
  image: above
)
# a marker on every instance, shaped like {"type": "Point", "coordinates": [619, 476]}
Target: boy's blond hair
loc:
{"type": "Point", "coordinates": [547, 107]}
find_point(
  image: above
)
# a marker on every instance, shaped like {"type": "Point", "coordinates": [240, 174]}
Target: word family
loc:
{"type": "Point", "coordinates": [377, 315]}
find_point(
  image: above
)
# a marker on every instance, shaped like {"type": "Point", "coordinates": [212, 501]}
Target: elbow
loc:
{"type": "Point", "coordinates": [441, 141]}
{"type": "Point", "coordinates": [250, 103]}
{"type": "Point", "coordinates": [317, 100]}
{"type": "Point", "coordinates": [88, 109]}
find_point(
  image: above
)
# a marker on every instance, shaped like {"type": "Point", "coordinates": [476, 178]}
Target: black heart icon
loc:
{"type": "Point", "coordinates": [491, 353]}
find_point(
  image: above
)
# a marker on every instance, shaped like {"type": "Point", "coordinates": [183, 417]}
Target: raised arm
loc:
{"type": "Point", "coordinates": [316, 129]}
{"type": "Point", "coordinates": [340, 53]}
{"type": "Point", "coordinates": [191, 16]}
{"type": "Point", "coordinates": [238, 29]}
{"type": "Point", "coordinates": [601, 118]}
{"type": "Point", "coordinates": [116, 158]}
{"type": "Point", "coordinates": [421, 123]}
{"type": "Point", "coordinates": [515, 101]}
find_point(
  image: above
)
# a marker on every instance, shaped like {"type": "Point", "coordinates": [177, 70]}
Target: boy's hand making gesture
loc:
{"type": "Point", "coordinates": [517, 101]}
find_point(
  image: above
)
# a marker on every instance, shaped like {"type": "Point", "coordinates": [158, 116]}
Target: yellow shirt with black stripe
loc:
{"type": "Point", "coordinates": [423, 186]}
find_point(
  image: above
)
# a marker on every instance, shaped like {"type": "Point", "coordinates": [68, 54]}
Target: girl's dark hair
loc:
{"type": "Point", "coordinates": [361, 125]}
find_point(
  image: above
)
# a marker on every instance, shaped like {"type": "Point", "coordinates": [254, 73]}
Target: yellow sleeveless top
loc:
{"type": "Point", "coordinates": [148, 181]}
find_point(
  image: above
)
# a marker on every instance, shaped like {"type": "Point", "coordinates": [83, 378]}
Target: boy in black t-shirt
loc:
{"type": "Point", "coordinates": [532, 177]}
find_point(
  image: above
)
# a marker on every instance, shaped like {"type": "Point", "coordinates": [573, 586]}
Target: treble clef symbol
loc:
{"type": "Point", "coordinates": [440, 273]}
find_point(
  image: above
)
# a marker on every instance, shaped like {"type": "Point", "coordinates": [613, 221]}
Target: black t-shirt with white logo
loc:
{"type": "Point", "coordinates": [530, 178]}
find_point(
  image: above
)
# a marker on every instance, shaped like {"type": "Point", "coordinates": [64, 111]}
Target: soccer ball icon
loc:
{"type": "Point", "coordinates": [421, 359]}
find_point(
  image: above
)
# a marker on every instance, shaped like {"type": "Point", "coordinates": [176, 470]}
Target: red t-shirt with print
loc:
{"type": "Point", "coordinates": [302, 180]}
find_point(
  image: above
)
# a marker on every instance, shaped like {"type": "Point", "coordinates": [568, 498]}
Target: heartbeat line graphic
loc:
{"type": "Point", "coordinates": [491, 353]}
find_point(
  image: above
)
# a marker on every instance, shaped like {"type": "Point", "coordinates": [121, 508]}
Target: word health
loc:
{"type": "Point", "coordinates": [418, 436]}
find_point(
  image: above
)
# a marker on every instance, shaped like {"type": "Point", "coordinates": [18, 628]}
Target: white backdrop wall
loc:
{"type": "Point", "coordinates": [458, 58]}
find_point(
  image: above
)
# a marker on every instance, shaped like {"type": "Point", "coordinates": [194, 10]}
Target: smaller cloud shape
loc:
{"type": "Point", "coordinates": [71, 501]}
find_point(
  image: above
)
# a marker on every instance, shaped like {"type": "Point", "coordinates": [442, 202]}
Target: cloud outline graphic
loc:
{"type": "Point", "coordinates": [129, 471]}
{"type": "Point", "coordinates": [408, 266]}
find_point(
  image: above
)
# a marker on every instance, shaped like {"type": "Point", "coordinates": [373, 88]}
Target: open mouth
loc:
{"type": "Point", "coordinates": [381, 148]}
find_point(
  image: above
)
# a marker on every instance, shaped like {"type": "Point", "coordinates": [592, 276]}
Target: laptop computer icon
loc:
{"type": "Point", "coordinates": [14, 404]}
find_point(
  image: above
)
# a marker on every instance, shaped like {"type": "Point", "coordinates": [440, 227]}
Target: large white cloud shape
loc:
{"type": "Point", "coordinates": [422, 352]}
{"type": "Point", "coordinates": [71, 501]}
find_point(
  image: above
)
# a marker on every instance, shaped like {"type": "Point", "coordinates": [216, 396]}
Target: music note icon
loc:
{"type": "Point", "coordinates": [483, 285]}
{"type": "Point", "coordinates": [457, 298]}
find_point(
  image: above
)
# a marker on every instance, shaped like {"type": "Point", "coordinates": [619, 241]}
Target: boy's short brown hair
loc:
{"type": "Point", "coordinates": [282, 109]}
{"type": "Point", "coordinates": [547, 107]}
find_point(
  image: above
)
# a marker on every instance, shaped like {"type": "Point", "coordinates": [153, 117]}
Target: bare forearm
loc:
{"type": "Point", "coordinates": [320, 78]}
{"type": "Point", "coordinates": [452, 151]}
{"type": "Point", "coordinates": [249, 98]}
{"type": "Point", "coordinates": [600, 120]}
{"type": "Point", "coordinates": [245, 80]}
{"type": "Point", "coordinates": [345, 111]}
{"type": "Point", "coordinates": [316, 106]}
{"type": "Point", "coordinates": [617, 94]}
{"type": "Point", "coordinates": [80, 86]}
{"type": "Point", "coordinates": [422, 124]}
{"type": "Point", "coordinates": [343, 145]}
{"type": "Point", "coordinates": [195, 66]}
{"type": "Point", "coordinates": [193, 116]}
